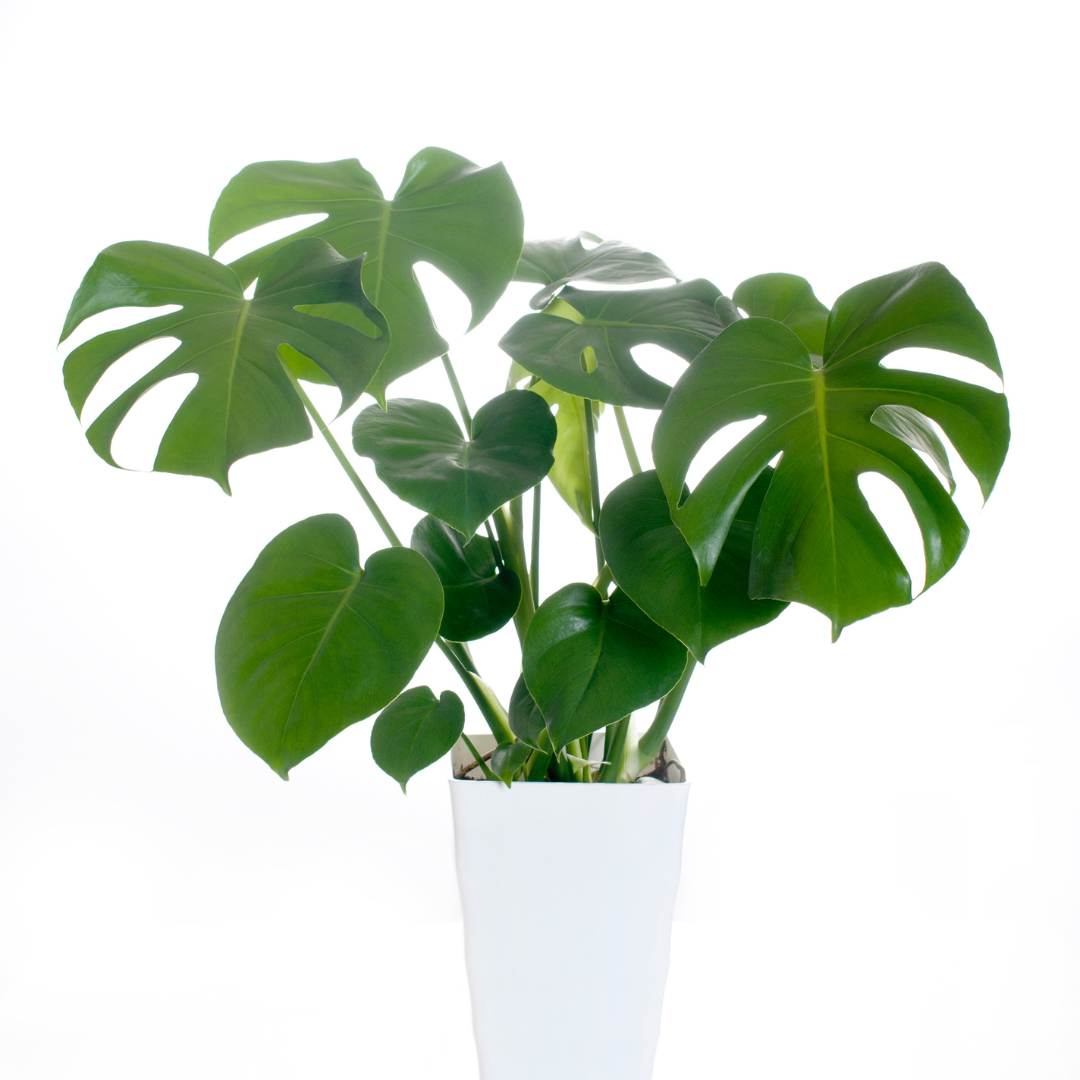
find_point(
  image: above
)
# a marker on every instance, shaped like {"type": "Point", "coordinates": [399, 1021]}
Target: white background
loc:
{"type": "Point", "coordinates": [882, 874]}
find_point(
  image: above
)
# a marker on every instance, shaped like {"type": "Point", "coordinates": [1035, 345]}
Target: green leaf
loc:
{"type": "Point", "coordinates": [423, 458]}
{"type": "Point", "coordinates": [480, 592]}
{"type": "Point", "coordinates": [463, 220]}
{"type": "Point", "coordinates": [507, 758]}
{"type": "Point", "coordinates": [415, 730]}
{"type": "Point", "coordinates": [311, 641]}
{"type": "Point", "coordinates": [816, 541]}
{"type": "Point", "coordinates": [918, 432]}
{"type": "Point", "coordinates": [243, 402]}
{"type": "Point", "coordinates": [525, 718]}
{"type": "Point", "coordinates": [681, 318]}
{"type": "Point", "coordinates": [553, 263]}
{"type": "Point", "coordinates": [590, 661]}
{"type": "Point", "coordinates": [653, 564]}
{"type": "Point", "coordinates": [787, 299]}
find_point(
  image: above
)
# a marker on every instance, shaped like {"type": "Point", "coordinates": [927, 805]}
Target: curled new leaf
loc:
{"type": "Point", "coordinates": [423, 458]}
{"type": "Point", "coordinates": [463, 220]}
{"type": "Point", "coordinates": [832, 419]}
{"type": "Point", "coordinates": [481, 593]}
{"type": "Point", "coordinates": [311, 641]}
{"type": "Point", "coordinates": [415, 730]}
{"type": "Point", "coordinates": [243, 402]}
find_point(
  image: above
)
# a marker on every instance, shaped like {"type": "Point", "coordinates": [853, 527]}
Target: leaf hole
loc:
{"type": "Point", "coordinates": [718, 445]}
{"type": "Point", "coordinates": [588, 359]}
{"type": "Point", "coordinates": [659, 362]}
{"type": "Point", "coordinates": [255, 238]}
{"type": "Point", "coordinates": [894, 514]}
{"type": "Point", "coordinates": [949, 365]}
{"type": "Point", "coordinates": [136, 442]}
{"type": "Point", "coordinates": [449, 306]}
{"type": "Point", "coordinates": [115, 319]}
{"type": "Point", "coordinates": [131, 367]}
{"type": "Point", "coordinates": [589, 240]}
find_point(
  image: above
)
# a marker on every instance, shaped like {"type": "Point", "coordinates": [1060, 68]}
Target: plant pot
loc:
{"type": "Point", "coordinates": [568, 892]}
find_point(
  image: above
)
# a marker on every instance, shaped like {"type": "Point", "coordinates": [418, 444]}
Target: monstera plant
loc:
{"type": "Point", "coordinates": [320, 635]}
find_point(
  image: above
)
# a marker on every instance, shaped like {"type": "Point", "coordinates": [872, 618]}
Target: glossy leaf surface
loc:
{"type": "Point", "coordinates": [507, 758]}
{"type": "Point", "coordinates": [590, 661]}
{"type": "Point", "coordinates": [525, 718]}
{"type": "Point", "coordinates": [479, 594]}
{"type": "Point", "coordinates": [555, 263]}
{"type": "Point", "coordinates": [311, 642]}
{"type": "Point", "coordinates": [422, 456]}
{"type": "Point", "coordinates": [654, 565]}
{"type": "Point", "coordinates": [415, 730]}
{"type": "Point", "coordinates": [463, 220]}
{"type": "Point", "coordinates": [243, 403]}
{"type": "Point", "coordinates": [681, 318]}
{"type": "Point", "coordinates": [816, 540]}
{"type": "Point", "coordinates": [788, 299]}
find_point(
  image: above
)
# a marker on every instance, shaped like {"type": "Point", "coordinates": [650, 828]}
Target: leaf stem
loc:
{"type": "Point", "coordinates": [486, 701]}
{"type": "Point", "coordinates": [484, 768]}
{"type": "Point", "coordinates": [512, 542]}
{"type": "Point", "coordinates": [335, 446]}
{"type": "Point", "coordinates": [534, 567]}
{"type": "Point", "coordinates": [459, 397]}
{"type": "Point", "coordinates": [627, 441]}
{"type": "Point", "coordinates": [614, 750]}
{"type": "Point", "coordinates": [653, 739]}
{"type": "Point", "coordinates": [594, 483]}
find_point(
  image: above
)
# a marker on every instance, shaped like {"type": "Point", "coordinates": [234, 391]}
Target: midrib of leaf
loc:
{"type": "Point", "coordinates": [384, 229]}
{"type": "Point", "coordinates": [241, 319]}
{"type": "Point", "coordinates": [817, 376]}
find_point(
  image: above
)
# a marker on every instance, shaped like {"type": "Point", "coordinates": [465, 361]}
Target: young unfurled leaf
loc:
{"type": "Point", "coordinates": [422, 456]}
{"type": "Point", "coordinates": [311, 641]}
{"type": "Point", "coordinates": [816, 540]}
{"type": "Point", "coordinates": [507, 758]}
{"type": "Point", "coordinates": [481, 593]}
{"type": "Point", "coordinates": [243, 402]}
{"type": "Point", "coordinates": [464, 220]}
{"type": "Point", "coordinates": [653, 564]}
{"type": "Point", "coordinates": [590, 661]}
{"type": "Point", "coordinates": [554, 263]}
{"type": "Point", "coordinates": [415, 730]}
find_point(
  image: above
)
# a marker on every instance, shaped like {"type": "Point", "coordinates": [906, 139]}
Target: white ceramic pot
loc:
{"type": "Point", "coordinates": [568, 892]}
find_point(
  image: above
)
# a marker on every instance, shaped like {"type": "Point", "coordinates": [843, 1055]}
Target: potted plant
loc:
{"type": "Point", "coordinates": [319, 635]}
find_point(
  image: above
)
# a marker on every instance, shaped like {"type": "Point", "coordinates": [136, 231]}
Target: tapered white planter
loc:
{"type": "Point", "coordinates": [568, 892]}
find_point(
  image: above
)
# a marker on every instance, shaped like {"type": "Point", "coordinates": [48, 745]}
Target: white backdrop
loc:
{"type": "Point", "coordinates": [882, 872]}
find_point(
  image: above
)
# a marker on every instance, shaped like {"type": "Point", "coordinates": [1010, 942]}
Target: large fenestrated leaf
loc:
{"type": "Point", "coordinates": [588, 661]}
{"type": "Point", "coordinates": [653, 564]}
{"type": "Point", "coordinates": [554, 263]}
{"type": "Point", "coordinates": [415, 730]}
{"type": "Point", "coordinates": [311, 641]}
{"type": "Point", "coordinates": [586, 351]}
{"type": "Point", "coordinates": [816, 540]}
{"type": "Point", "coordinates": [570, 474]}
{"type": "Point", "coordinates": [480, 592]}
{"type": "Point", "coordinates": [463, 220]}
{"type": "Point", "coordinates": [423, 458]}
{"type": "Point", "coordinates": [243, 402]}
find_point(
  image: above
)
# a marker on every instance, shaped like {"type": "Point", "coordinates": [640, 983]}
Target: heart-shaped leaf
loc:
{"type": "Point", "coordinates": [586, 350]}
{"type": "Point", "coordinates": [311, 641]}
{"type": "Point", "coordinates": [481, 593]}
{"type": "Point", "coordinates": [653, 564]}
{"type": "Point", "coordinates": [507, 758]}
{"type": "Point", "coordinates": [243, 402]}
{"type": "Point", "coordinates": [463, 220]}
{"type": "Point", "coordinates": [422, 457]}
{"type": "Point", "coordinates": [415, 730]}
{"type": "Point", "coordinates": [570, 474]}
{"type": "Point", "coordinates": [816, 540]}
{"type": "Point", "coordinates": [524, 715]}
{"type": "Point", "coordinates": [553, 263]}
{"type": "Point", "coordinates": [590, 661]}
{"type": "Point", "coordinates": [787, 299]}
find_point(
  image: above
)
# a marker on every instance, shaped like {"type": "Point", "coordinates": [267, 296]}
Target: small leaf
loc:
{"type": "Point", "coordinates": [243, 403]}
{"type": "Point", "coordinates": [681, 318]}
{"type": "Point", "coordinates": [787, 299]}
{"type": "Point", "coordinates": [590, 661]}
{"type": "Point", "coordinates": [553, 263]}
{"type": "Point", "coordinates": [463, 220]}
{"type": "Point", "coordinates": [422, 456]}
{"type": "Point", "coordinates": [480, 593]}
{"type": "Point", "coordinates": [312, 642]}
{"type": "Point", "coordinates": [508, 758]}
{"type": "Point", "coordinates": [653, 564]}
{"type": "Point", "coordinates": [525, 718]}
{"type": "Point", "coordinates": [415, 730]}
